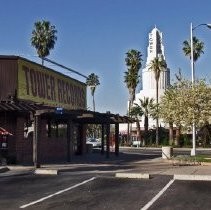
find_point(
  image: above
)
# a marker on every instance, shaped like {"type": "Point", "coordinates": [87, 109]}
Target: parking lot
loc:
{"type": "Point", "coordinates": [91, 183]}
{"type": "Point", "coordinates": [102, 191]}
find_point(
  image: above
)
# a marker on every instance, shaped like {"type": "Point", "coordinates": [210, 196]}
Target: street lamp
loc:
{"type": "Point", "coordinates": [193, 151]}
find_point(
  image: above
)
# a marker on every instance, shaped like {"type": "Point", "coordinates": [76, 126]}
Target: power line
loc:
{"type": "Point", "coordinates": [64, 67]}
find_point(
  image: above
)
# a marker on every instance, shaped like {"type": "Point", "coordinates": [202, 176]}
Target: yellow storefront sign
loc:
{"type": "Point", "coordinates": [40, 84]}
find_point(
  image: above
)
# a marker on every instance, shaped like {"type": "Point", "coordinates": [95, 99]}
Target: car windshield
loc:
{"type": "Point", "coordinates": [92, 140]}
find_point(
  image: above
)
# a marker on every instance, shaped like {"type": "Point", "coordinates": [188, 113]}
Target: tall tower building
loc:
{"type": "Point", "coordinates": [155, 49]}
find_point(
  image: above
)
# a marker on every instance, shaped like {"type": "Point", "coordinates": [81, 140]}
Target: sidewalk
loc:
{"type": "Point", "coordinates": [6, 171]}
{"type": "Point", "coordinates": [124, 163]}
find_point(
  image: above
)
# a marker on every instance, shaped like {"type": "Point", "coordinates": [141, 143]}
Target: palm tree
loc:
{"type": "Point", "coordinates": [146, 104]}
{"type": "Point", "coordinates": [157, 65]}
{"type": "Point", "coordinates": [198, 48]}
{"type": "Point", "coordinates": [43, 38]}
{"type": "Point", "coordinates": [93, 81]}
{"type": "Point", "coordinates": [137, 112]}
{"type": "Point", "coordinates": [133, 62]}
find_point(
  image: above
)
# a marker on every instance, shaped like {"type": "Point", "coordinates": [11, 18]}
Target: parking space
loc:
{"type": "Point", "coordinates": [187, 195]}
{"type": "Point", "coordinates": [103, 192]}
{"type": "Point", "coordinates": [106, 193]}
{"type": "Point", "coordinates": [20, 190]}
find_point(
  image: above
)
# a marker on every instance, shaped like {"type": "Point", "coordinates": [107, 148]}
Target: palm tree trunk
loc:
{"type": "Point", "coordinates": [93, 101]}
{"type": "Point", "coordinates": [146, 128]}
{"type": "Point", "coordinates": [93, 126]}
{"type": "Point", "coordinates": [128, 125]}
{"type": "Point", "coordinates": [146, 123]}
{"type": "Point", "coordinates": [157, 121]}
{"type": "Point", "coordinates": [138, 129]}
{"type": "Point", "coordinates": [157, 132]}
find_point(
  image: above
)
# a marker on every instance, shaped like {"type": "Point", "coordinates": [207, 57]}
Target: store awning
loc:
{"type": "Point", "coordinates": [76, 115]}
{"type": "Point", "coordinates": [85, 116]}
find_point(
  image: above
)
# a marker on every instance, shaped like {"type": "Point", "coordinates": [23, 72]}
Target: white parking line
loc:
{"type": "Point", "coordinates": [57, 193]}
{"type": "Point", "coordinates": [158, 195]}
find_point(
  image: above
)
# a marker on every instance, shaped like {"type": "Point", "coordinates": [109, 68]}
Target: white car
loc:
{"type": "Point", "coordinates": [94, 142]}
{"type": "Point", "coordinates": [136, 143]}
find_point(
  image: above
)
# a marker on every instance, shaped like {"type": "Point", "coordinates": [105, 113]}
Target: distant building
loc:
{"type": "Point", "coordinates": [155, 49]}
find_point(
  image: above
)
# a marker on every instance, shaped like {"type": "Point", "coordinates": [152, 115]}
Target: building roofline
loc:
{"type": "Point", "coordinates": [16, 57]}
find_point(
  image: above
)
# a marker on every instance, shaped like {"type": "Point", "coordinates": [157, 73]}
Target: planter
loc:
{"type": "Point", "coordinates": [167, 152]}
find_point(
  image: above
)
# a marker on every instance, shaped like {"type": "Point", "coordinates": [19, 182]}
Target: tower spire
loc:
{"type": "Point", "coordinates": [155, 47]}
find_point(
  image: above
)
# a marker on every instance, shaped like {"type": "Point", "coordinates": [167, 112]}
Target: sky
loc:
{"type": "Point", "coordinates": [94, 36]}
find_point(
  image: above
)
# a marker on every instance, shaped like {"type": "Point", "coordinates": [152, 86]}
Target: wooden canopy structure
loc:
{"type": "Point", "coordinates": [69, 117]}
{"type": "Point", "coordinates": [84, 117]}
{"type": "Point", "coordinates": [78, 115]}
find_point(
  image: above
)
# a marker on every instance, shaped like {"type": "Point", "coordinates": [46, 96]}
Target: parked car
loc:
{"type": "Point", "coordinates": [136, 143]}
{"type": "Point", "coordinates": [94, 142]}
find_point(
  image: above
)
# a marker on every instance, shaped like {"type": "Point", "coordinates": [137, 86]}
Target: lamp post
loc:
{"type": "Point", "coordinates": [193, 151]}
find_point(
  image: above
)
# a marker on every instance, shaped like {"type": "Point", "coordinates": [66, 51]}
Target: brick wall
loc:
{"type": "Point", "coordinates": [19, 148]}
{"type": "Point", "coordinates": [52, 149]}
{"type": "Point", "coordinates": [9, 123]}
{"type": "Point", "coordinates": [24, 152]}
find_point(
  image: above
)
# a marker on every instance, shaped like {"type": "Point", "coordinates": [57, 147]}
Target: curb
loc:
{"type": "Point", "coordinates": [176, 162]}
{"type": "Point", "coordinates": [4, 169]}
{"type": "Point", "coordinates": [205, 163]}
{"type": "Point", "coordinates": [133, 175]}
{"type": "Point", "coordinates": [46, 171]}
{"type": "Point", "coordinates": [14, 174]}
{"type": "Point", "coordinates": [193, 177]}
{"type": "Point", "coordinates": [51, 171]}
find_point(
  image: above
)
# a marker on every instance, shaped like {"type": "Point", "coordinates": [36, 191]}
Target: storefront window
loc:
{"type": "Point", "coordinates": [57, 130]}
